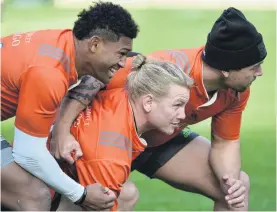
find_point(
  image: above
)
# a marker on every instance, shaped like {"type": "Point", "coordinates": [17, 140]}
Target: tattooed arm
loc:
{"type": "Point", "coordinates": [85, 91]}
{"type": "Point", "coordinates": [76, 100]}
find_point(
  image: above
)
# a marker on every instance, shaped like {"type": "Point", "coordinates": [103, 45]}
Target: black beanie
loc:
{"type": "Point", "coordinates": [233, 42]}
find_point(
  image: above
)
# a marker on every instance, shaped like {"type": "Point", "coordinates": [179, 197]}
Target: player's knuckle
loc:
{"type": "Point", "coordinates": [235, 195]}
{"type": "Point", "coordinates": [243, 188]}
{"type": "Point", "coordinates": [241, 198]}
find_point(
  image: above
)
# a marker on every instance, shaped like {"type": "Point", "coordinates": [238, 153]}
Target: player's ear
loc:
{"type": "Point", "coordinates": [94, 43]}
{"type": "Point", "coordinates": [147, 102]}
{"type": "Point", "coordinates": [225, 73]}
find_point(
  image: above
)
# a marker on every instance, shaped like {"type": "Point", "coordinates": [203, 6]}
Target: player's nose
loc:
{"type": "Point", "coordinates": [259, 72]}
{"type": "Point", "coordinates": [181, 114]}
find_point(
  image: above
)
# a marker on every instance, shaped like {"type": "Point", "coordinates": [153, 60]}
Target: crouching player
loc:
{"type": "Point", "coordinates": [109, 131]}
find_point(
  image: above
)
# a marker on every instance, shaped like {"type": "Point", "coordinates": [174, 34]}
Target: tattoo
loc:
{"type": "Point", "coordinates": [86, 90]}
{"type": "Point", "coordinates": [76, 98]}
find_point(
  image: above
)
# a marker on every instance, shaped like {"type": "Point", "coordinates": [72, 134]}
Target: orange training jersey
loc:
{"type": "Point", "coordinates": [225, 107]}
{"type": "Point", "coordinates": [37, 69]}
{"type": "Point", "coordinates": [109, 141]}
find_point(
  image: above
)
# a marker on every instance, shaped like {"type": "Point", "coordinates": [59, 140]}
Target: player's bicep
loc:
{"type": "Point", "coordinates": [227, 126]}
{"type": "Point", "coordinates": [41, 91]}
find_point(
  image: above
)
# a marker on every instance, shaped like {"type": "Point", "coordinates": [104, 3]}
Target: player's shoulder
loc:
{"type": "Point", "coordinates": [44, 74]}
{"type": "Point", "coordinates": [51, 33]}
{"type": "Point", "coordinates": [185, 58]}
{"type": "Point", "coordinates": [181, 52]}
{"type": "Point", "coordinates": [30, 37]}
{"type": "Point", "coordinates": [115, 100]}
{"type": "Point", "coordinates": [114, 96]}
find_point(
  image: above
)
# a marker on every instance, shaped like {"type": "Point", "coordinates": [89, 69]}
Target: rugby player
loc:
{"type": "Point", "coordinates": [37, 70]}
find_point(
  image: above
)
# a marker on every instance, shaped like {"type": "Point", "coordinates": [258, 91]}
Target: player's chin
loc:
{"type": "Point", "coordinates": [242, 89]}
{"type": "Point", "coordinates": [169, 130]}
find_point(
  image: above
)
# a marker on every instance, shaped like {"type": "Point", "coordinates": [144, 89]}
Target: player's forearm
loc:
{"type": "Point", "coordinates": [69, 111]}
{"type": "Point", "coordinates": [32, 155]}
{"type": "Point", "coordinates": [225, 158]}
{"type": "Point", "coordinates": [76, 100]}
{"type": "Point", "coordinates": [86, 90]}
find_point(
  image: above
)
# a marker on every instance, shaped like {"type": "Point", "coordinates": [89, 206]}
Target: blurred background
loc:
{"type": "Point", "coordinates": [168, 24]}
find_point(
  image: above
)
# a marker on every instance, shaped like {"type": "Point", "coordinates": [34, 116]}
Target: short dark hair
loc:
{"type": "Point", "coordinates": [107, 20]}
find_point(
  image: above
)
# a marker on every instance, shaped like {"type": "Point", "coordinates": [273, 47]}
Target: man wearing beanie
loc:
{"type": "Point", "coordinates": [223, 71]}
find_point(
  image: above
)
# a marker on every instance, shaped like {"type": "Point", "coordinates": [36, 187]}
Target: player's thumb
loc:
{"type": "Point", "coordinates": [68, 158]}
{"type": "Point", "coordinates": [108, 192]}
{"type": "Point", "coordinates": [105, 189]}
{"type": "Point", "coordinates": [78, 151]}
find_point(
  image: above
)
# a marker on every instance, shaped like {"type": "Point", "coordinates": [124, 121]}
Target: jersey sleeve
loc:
{"type": "Point", "coordinates": [227, 124]}
{"type": "Point", "coordinates": [41, 92]}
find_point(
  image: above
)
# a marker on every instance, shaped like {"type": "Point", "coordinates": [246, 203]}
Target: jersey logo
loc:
{"type": "Point", "coordinates": [186, 132]}
{"type": "Point", "coordinates": [1, 45]}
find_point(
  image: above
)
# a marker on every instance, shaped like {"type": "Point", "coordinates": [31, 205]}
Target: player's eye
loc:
{"type": "Point", "coordinates": [179, 105]}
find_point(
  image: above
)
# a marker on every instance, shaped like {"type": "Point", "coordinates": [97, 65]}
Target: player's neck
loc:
{"type": "Point", "coordinates": [212, 78]}
{"type": "Point", "coordinates": [139, 119]}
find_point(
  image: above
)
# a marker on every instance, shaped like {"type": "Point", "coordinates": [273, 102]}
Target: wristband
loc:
{"type": "Point", "coordinates": [82, 199]}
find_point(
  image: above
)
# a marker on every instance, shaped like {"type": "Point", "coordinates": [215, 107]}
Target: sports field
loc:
{"type": "Point", "coordinates": [165, 29]}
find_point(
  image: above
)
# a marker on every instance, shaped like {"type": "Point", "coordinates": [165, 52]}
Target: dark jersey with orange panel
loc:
{"type": "Point", "coordinates": [109, 141]}
{"type": "Point", "coordinates": [37, 69]}
{"type": "Point", "coordinates": [225, 107]}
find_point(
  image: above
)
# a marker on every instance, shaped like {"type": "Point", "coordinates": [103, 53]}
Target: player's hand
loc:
{"type": "Point", "coordinates": [63, 145]}
{"type": "Point", "coordinates": [98, 198]}
{"type": "Point", "coordinates": [236, 192]}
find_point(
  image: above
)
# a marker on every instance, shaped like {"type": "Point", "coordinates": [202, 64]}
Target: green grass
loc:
{"type": "Point", "coordinates": [165, 29]}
